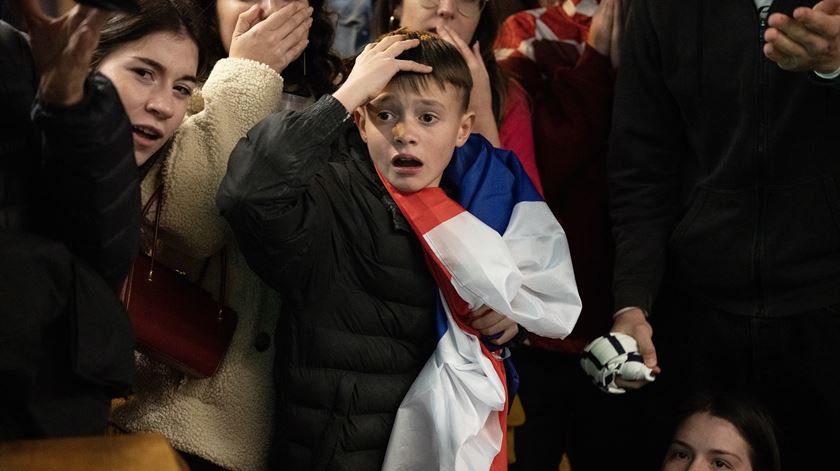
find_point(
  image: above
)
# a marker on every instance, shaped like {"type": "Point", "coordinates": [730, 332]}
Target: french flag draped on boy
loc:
{"type": "Point", "coordinates": [500, 246]}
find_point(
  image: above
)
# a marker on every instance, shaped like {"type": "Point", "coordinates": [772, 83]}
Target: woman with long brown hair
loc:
{"type": "Point", "coordinates": [277, 57]}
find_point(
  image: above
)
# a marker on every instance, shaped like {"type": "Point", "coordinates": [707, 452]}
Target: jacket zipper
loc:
{"type": "Point", "coordinates": [761, 155]}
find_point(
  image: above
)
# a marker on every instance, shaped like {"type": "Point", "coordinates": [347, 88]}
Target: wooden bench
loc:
{"type": "Point", "coordinates": [129, 452]}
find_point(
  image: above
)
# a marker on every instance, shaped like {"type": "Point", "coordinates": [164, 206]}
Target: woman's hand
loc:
{"type": "Point", "coordinates": [374, 68]}
{"type": "Point", "coordinates": [605, 30]}
{"type": "Point", "coordinates": [274, 38]}
{"type": "Point", "coordinates": [481, 97]}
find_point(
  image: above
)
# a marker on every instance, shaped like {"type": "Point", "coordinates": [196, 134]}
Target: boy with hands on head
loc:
{"type": "Point", "coordinates": [314, 221]}
{"type": "Point", "coordinates": [397, 119]}
{"type": "Point", "coordinates": [305, 201]}
{"type": "Point", "coordinates": [440, 118]}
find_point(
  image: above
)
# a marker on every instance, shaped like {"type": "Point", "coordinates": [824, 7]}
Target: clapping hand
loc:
{"type": "Point", "coordinates": [810, 40]}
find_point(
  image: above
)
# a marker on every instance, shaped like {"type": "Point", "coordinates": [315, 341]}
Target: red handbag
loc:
{"type": "Point", "coordinates": [174, 320]}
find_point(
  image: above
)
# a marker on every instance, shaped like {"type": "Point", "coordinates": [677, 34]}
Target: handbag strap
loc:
{"type": "Point", "coordinates": [157, 198]}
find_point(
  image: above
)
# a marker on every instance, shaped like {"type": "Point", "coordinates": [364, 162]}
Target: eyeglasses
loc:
{"type": "Point", "coordinates": [466, 8]}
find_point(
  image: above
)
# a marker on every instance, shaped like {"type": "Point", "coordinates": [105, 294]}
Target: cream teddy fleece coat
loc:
{"type": "Point", "coordinates": [226, 419]}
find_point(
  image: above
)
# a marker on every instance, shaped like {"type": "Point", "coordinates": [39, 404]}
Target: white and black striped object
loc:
{"type": "Point", "coordinates": [613, 355]}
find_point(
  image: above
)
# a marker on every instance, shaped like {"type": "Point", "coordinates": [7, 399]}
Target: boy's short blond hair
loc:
{"type": "Point", "coordinates": [448, 66]}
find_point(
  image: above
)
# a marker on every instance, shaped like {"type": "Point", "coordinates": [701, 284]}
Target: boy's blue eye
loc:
{"type": "Point", "coordinates": [428, 118]}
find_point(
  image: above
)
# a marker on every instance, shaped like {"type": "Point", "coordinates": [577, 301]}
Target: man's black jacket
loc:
{"type": "Point", "coordinates": [724, 169]}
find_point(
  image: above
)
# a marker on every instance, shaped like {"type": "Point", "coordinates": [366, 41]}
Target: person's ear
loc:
{"type": "Point", "coordinates": [360, 118]}
{"type": "Point", "coordinates": [467, 122]}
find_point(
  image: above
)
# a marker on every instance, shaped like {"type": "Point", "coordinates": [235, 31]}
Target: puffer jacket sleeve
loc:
{"type": "Point", "coordinates": [90, 186]}
{"type": "Point", "coordinates": [273, 194]}
{"type": "Point", "coordinates": [19, 137]}
{"type": "Point", "coordinates": [237, 95]}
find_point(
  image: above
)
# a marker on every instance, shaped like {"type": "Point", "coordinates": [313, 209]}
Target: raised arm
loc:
{"type": "Point", "coordinates": [579, 99]}
{"type": "Point", "coordinates": [570, 94]}
{"type": "Point", "coordinates": [89, 189]}
{"type": "Point", "coordinates": [269, 194]}
{"type": "Point", "coordinates": [241, 90]}
{"type": "Point", "coordinates": [273, 195]}
{"type": "Point", "coordinates": [481, 97]}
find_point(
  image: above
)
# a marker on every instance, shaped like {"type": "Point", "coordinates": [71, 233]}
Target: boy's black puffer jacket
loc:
{"type": "Point", "coordinates": [357, 323]}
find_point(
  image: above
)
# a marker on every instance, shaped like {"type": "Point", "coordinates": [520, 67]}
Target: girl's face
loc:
{"type": "Point", "coordinates": [154, 77]}
{"type": "Point", "coordinates": [228, 11]}
{"type": "Point", "coordinates": [705, 442]}
{"type": "Point", "coordinates": [461, 16]}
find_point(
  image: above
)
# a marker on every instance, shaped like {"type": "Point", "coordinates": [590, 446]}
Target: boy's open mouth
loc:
{"type": "Point", "coordinates": [405, 161]}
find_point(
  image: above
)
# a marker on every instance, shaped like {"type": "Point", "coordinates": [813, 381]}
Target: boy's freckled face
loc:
{"type": "Point", "coordinates": [411, 137]}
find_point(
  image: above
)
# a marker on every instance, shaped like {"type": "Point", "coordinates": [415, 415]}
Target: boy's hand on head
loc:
{"type": "Point", "coordinates": [374, 69]}
{"type": "Point", "coordinates": [489, 322]}
{"type": "Point", "coordinates": [274, 38]}
{"type": "Point", "coordinates": [62, 48]}
{"type": "Point", "coordinates": [605, 32]}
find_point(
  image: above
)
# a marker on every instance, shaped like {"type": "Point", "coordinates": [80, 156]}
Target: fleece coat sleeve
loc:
{"type": "Point", "coordinates": [237, 95]}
